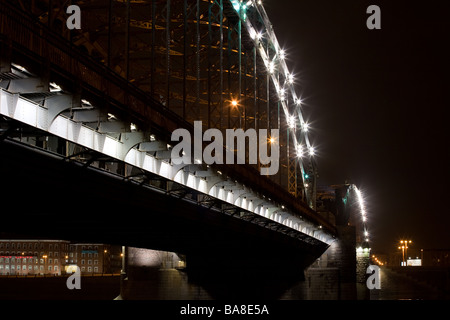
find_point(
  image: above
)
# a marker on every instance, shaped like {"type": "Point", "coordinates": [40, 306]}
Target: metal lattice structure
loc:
{"type": "Point", "coordinates": [110, 94]}
{"type": "Point", "coordinates": [196, 57]}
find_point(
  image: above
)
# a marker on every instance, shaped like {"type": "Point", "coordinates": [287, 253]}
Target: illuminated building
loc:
{"type": "Point", "coordinates": [56, 257]}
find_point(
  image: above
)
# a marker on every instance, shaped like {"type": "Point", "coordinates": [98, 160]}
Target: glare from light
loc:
{"type": "Point", "coordinates": [271, 67]}
{"type": "Point", "coordinates": [290, 78]}
{"type": "Point", "coordinates": [19, 67]}
{"type": "Point", "coordinates": [299, 150]}
{"type": "Point", "coordinates": [282, 94]}
{"type": "Point", "coordinates": [312, 151]}
{"type": "Point", "coordinates": [291, 121]}
{"type": "Point", "coordinates": [54, 87]}
{"type": "Point", "coordinates": [84, 101]}
{"type": "Point", "coordinates": [234, 103]}
{"type": "Point", "coordinates": [305, 127]}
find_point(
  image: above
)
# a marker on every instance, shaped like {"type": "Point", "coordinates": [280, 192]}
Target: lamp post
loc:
{"type": "Point", "coordinates": [45, 263]}
{"type": "Point", "coordinates": [404, 247]}
{"type": "Point", "coordinates": [103, 262]}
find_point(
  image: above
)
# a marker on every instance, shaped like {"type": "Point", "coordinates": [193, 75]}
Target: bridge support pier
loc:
{"type": "Point", "coordinates": [336, 268]}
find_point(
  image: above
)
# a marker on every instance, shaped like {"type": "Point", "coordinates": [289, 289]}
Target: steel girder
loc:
{"type": "Point", "coordinates": [56, 116]}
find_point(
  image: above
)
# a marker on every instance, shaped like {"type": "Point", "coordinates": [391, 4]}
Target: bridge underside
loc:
{"type": "Point", "coordinates": [45, 195]}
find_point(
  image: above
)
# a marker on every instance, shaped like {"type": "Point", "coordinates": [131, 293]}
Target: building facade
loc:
{"type": "Point", "coordinates": [56, 257]}
{"type": "Point", "coordinates": [33, 257]}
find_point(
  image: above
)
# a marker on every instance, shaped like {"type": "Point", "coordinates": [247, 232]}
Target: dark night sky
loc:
{"type": "Point", "coordinates": [377, 100]}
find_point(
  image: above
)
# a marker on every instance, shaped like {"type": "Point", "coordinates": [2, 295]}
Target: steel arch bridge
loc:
{"type": "Point", "coordinates": [218, 62]}
{"type": "Point", "coordinates": [139, 69]}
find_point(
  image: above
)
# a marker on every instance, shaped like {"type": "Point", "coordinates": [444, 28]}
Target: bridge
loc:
{"type": "Point", "coordinates": [87, 123]}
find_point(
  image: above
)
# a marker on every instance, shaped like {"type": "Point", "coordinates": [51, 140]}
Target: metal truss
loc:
{"type": "Point", "coordinates": [195, 57]}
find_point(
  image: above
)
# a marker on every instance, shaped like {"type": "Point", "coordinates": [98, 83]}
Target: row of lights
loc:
{"type": "Point", "coordinates": [362, 210]}
{"type": "Point", "coordinates": [292, 124]}
{"type": "Point", "coordinates": [377, 261]}
{"type": "Point", "coordinates": [280, 56]}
